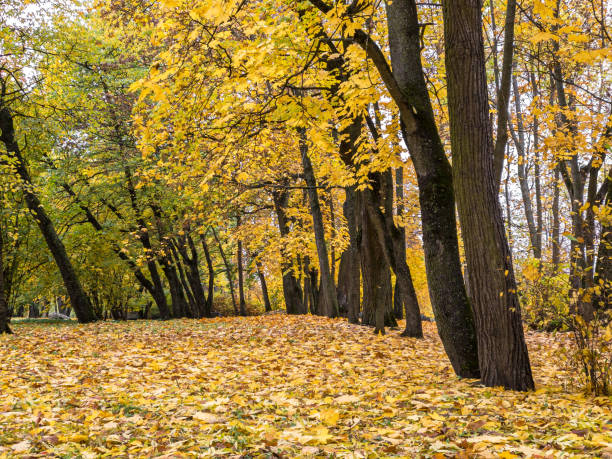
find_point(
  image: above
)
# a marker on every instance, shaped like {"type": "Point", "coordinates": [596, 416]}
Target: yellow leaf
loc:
{"type": "Point", "coordinates": [330, 417]}
{"type": "Point", "coordinates": [208, 418]}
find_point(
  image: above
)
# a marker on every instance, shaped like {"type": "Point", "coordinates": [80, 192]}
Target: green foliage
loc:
{"type": "Point", "coordinates": [544, 295]}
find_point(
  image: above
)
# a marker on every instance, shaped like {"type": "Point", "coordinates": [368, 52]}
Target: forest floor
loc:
{"type": "Point", "coordinates": [276, 386]}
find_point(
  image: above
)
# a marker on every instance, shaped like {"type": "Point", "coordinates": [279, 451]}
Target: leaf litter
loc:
{"type": "Point", "coordinates": [277, 386]}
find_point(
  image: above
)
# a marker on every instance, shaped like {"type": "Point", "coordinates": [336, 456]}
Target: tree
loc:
{"type": "Point", "coordinates": [79, 300]}
{"type": "Point", "coordinates": [502, 352]}
{"type": "Point", "coordinates": [4, 317]}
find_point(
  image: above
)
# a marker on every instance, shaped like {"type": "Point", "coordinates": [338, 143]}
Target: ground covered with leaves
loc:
{"type": "Point", "coordinates": [275, 386]}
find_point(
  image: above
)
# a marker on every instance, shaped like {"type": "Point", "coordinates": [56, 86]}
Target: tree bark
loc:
{"type": "Point", "coordinates": [328, 289]}
{"type": "Point", "coordinates": [211, 276]}
{"type": "Point", "coordinates": [79, 300]}
{"type": "Point", "coordinates": [228, 272]}
{"type": "Point", "coordinates": [556, 225]}
{"type": "Point", "coordinates": [521, 147]}
{"type": "Point", "coordinates": [155, 290]}
{"type": "Point", "coordinates": [602, 300]}
{"type": "Point", "coordinates": [264, 286]}
{"type": "Point", "coordinates": [4, 316]}
{"type": "Point", "coordinates": [398, 309]}
{"type": "Point", "coordinates": [191, 259]}
{"type": "Point", "coordinates": [243, 311]}
{"type": "Point", "coordinates": [349, 278]}
{"type": "Point", "coordinates": [377, 301]}
{"type": "Point", "coordinates": [503, 95]}
{"type": "Point", "coordinates": [502, 352]}
{"type": "Point", "coordinates": [292, 291]}
{"type": "Point", "coordinates": [436, 196]}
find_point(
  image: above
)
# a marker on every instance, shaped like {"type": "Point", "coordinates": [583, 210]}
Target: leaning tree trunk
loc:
{"type": "Point", "coordinates": [228, 272]}
{"type": "Point", "coordinates": [264, 286]}
{"type": "Point", "coordinates": [502, 352]}
{"type": "Point", "coordinates": [177, 294]}
{"type": "Point", "coordinates": [4, 316]}
{"type": "Point", "coordinates": [79, 300]}
{"type": "Point", "coordinates": [328, 289]}
{"type": "Point", "coordinates": [211, 277]}
{"type": "Point", "coordinates": [436, 196]}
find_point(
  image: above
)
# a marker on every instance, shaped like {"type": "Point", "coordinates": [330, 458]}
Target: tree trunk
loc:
{"type": "Point", "coordinates": [328, 289]}
{"type": "Point", "coordinates": [603, 271]}
{"type": "Point", "coordinates": [377, 304]}
{"type": "Point", "coordinates": [191, 309]}
{"type": "Point", "coordinates": [179, 303]}
{"type": "Point", "coordinates": [264, 286]}
{"type": "Point", "coordinates": [556, 225]}
{"type": "Point", "coordinates": [436, 196]}
{"type": "Point", "coordinates": [143, 236]}
{"type": "Point", "coordinates": [521, 147]}
{"type": "Point", "coordinates": [228, 272]}
{"type": "Point", "coordinates": [502, 352]}
{"type": "Point", "coordinates": [398, 309]}
{"type": "Point", "coordinates": [211, 276]}
{"type": "Point", "coordinates": [292, 291]}
{"type": "Point", "coordinates": [537, 178]}
{"type": "Point", "coordinates": [191, 259]}
{"type": "Point", "coordinates": [79, 300]}
{"type": "Point", "coordinates": [154, 287]}
{"type": "Point", "coordinates": [243, 311]}
{"type": "Point", "coordinates": [4, 316]}
{"type": "Point", "coordinates": [508, 208]}
{"type": "Point", "coordinates": [353, 285]}
{"type": "Point", "coordinates": [503, 95]}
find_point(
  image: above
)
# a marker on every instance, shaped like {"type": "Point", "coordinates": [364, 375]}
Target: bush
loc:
{"type": "Point", "coordinates": [591, 358]}
{"type": "Point", "coordinates": [544, 295]}
{"type": "Point", "coordinates": [223, 306]}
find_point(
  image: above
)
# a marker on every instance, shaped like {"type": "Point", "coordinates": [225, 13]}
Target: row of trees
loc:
{"type": "Point", "coordinates": [322, 144]}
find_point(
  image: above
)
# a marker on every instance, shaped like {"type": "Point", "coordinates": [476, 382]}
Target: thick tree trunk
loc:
{"type": "Point", "coordinates": [328, 289]}
{"type": "Point", "coordinates": [4, 316]}
{"type": "Point", "coordinates": [377, 302]}
{"type": "Point", "coordinates": [502, 352]}
{"type": "Point", "coordinates": [292, 291]}
{"type": "Point", "coordinates": [79, 301]}
{"type": "Point", "coordinates": [436, 196]}
{"type": "Point", "coordinates": [349, 288]}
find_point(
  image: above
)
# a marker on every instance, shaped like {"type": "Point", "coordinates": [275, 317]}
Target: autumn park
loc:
{"type": "Point", "coordinates": [312, 228]}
